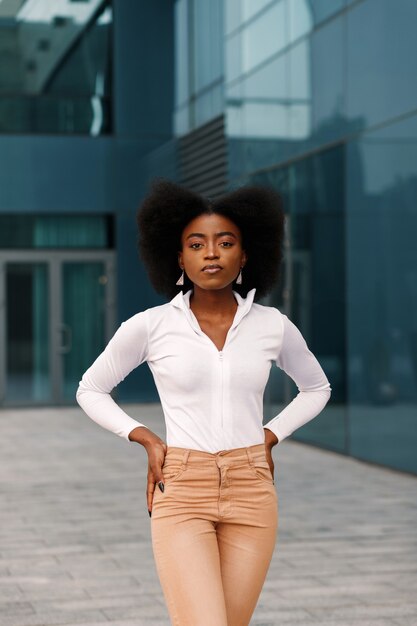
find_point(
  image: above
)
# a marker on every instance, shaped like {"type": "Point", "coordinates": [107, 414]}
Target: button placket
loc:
{"type": "Point", "coordinates": [224, 502]}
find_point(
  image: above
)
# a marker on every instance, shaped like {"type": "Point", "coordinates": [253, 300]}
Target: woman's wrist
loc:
{"type": "Point", "coordinates": [144, 436]}
{"type": "Point", "coordinates": [271, 439]}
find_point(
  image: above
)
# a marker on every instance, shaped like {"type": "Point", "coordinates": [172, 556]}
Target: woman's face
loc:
{"type": "Point", "coordinates": [211, 239]}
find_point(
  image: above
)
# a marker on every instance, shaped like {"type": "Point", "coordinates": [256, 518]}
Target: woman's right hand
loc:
{"type": "Point", "coordinates": [156, 456]}
{"type": "Point", "coordinates": [156, 449]}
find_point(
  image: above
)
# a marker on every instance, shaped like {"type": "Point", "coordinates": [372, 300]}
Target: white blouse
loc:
{"type": "Point", "coordinates": [212, 399]}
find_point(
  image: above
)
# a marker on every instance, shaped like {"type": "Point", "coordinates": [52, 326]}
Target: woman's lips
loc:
{"type": "Point", "coordinates": [212, 270]}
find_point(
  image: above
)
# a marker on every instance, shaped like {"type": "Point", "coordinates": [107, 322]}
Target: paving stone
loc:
{"type": "Point", "coordinates": [75, 543]}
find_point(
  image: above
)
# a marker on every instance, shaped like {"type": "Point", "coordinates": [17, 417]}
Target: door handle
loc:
{"type": "Point", "coordinates": [66, 331]}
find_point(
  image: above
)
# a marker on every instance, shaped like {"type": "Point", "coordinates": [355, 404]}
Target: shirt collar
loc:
{"type": "Point", "coordinates": [182, 301]}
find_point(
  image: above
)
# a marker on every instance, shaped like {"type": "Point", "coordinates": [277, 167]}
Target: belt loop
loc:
{"type": "Point", "coordinates": [185, 458]}
{"type": "Point", "coordinates": [250, 457]}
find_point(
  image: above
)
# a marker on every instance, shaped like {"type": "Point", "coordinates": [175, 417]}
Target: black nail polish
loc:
{"type": "Point", "coordinates": [161, 486]}
{"type": "Point", "coordinates": [150, 513]}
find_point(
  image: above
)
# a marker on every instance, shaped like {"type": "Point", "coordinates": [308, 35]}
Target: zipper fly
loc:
{"type": "Point", "coordinates": [221, 380]}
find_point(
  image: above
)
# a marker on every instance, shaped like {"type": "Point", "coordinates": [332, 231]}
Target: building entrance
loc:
{"type": "Point", "coordinates": [57, 312]}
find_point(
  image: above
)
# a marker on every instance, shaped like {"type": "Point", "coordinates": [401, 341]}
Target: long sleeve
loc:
{"type": "Point", "coordinates": [314, 390]}
{"type": "Point", "coordinates": [127, 349]}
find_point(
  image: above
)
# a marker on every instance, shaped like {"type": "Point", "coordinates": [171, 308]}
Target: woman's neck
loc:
{"type": "Point", "coordinates": [213, 301]}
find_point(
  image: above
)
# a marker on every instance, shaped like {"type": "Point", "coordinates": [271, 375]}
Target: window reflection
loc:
{"type": "Point", "coordinates": [264, 37]}
{"type": "Point", "coordinates": [199, 33]}
{"type": "Point", "coordinates": [323, 9]}
{"type": "Point", "coordinates": [381, 70]}
{"type": "Point", "coordinates": [55, 75]}
{"type": "Point", "coordinates": [293, 102]}
{"type": "Point", "coordinates": [300, 91]}
{"type": "Point", "coordinates": [27, 343]}
{"type": "Point", "coordinates": [382, 264]}
{"type": "Point", "coordinates": [301, 18]}
{"type": "Point", "coordinates": [312, 289]}
{"type": "Point", "coordinates": [303, 119]}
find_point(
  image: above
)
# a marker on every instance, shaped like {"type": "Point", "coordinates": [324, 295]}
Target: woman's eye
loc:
{"type": "Point", "coordinates": [195, 245]}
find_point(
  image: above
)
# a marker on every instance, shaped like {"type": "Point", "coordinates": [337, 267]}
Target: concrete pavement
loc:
{"type": "Point", "coordinates": [75, 543]}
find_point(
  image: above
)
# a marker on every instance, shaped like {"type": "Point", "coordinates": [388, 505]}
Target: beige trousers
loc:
{"type": "Point", "coordinates": [214, 530]}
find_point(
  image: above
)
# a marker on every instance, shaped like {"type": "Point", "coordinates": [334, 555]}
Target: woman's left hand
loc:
{"type": "Point", "coordinates": [270, 441]}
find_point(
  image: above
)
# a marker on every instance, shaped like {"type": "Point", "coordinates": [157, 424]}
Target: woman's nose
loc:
{"type": "Point", "coordinates": [211, 250]}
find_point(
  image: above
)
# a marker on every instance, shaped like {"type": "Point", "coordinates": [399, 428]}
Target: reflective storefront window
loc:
{"type": "Point", "coordinates": [382, 294]}
{"type": "Point", "coordinates": [301, 18]}
{"type": "Point", "coordinates": [293, 102]}
{"type": "Point", "coordinates": [300, 91]}
{"type": "Point", "coordinates": [381, 60]}
{"type": "Point", "coordinates": [328, 93]}
{"type": "Point", "coordinates": [323, 9]}
{"type": "Point", "coordinates": [198, 63]}
{"type": "Point", "coordinates": [238, 12]}
{"type": "Point", "coordinates": [182, 53]}
{"type": "Point", "coordinates": [314, 281]}
{"type": "Point", "coordinates": [55, 67]}
{"type": "Point", "coordinates": [264, 36]}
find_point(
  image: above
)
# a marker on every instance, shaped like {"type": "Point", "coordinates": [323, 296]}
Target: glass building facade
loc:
{"type": "Point", "coordinates": [319, 100]}
{"type": "Point", "coordinates": [316, 98]}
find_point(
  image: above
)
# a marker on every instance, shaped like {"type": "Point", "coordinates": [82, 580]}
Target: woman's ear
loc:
{"type": "Point", "coordinates": [180, 259]}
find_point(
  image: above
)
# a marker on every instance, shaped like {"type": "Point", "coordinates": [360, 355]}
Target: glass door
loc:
{"type": "Point", "coordinates": [27, 340]}
{"type": "Point", "coordinates": [57, 312]}
{"type": "Point", "coordinates": [83, 327]}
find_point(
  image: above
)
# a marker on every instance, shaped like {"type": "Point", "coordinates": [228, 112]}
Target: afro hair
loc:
{"type": "Point", "coordinates": [169, 207]}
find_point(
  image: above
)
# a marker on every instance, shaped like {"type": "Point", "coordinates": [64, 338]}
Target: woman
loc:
{"type": "Point", "coordinates": [214, 517]}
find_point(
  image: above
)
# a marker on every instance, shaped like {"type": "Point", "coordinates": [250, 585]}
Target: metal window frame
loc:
{"type": "Point", "coordinates": [54, 260]}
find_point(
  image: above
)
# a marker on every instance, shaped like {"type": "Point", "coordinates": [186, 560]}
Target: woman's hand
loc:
{"type": "Point", "coordinates": [270, 441]}
{"type": "Point", "coordinates": [156, 456]}
{"type": "Point", "coordinates": [156, 449]}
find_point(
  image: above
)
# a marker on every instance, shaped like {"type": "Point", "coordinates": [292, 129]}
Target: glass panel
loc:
{"type": "Point", "coordinates": [318, 287]}
{"type": "Point", "coordinates": [329, 118]}
{"type": "Point", "coordinates": [381, 61]}
{"type": "Point", "coordinates": [54, 231]}
{"type": "Point", "coordinates": [265, 36]}
{"type": "Point", "coordinates": [301, 18]}
{"type": "Point", "coordinates": [300, 91]}
{"type": "Point", "coordinates": [56, 71]}
{"type": "Point", "coordinates": [83, 329]}
{"type": "Point", "coordinates": [269, 82]}
{"type": "Point", "coordinates": [27, 338]}
{"type": "Point", "coordinates": [208, 43]}
{"type": "Point", "coordinates": [239, 11]}
{"type": "Point", "coordinates": [232, 14]}
{"type": "Point", "coordinates": [262, 120]}
{"type": "Point", "coordinates": [313, 194]}
{"type": "Point", "coordinates": [252, 7]}
{"type": "Point", "coordinates": [181, 122]}
{"type": "Point", "coordinates": [182, 88]}
{"type": "Point", "coordinates": [277, 389]}
{"type": "Point", "coordinates": [205, 82]}
{"type": "Point", "coordinates": [209, 104]}
{"type": "Point", "coordinates": [233, 57]}
{"type": "Point", "coordinates": [323, 9]}
{"type": "Point", "coordinates": [382, 298]}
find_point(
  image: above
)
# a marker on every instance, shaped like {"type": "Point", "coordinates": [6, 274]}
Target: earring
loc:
{"type": "Point", "coordinates": [239, 278]}
{"type": "Point", "coordinates": [180, 281]}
